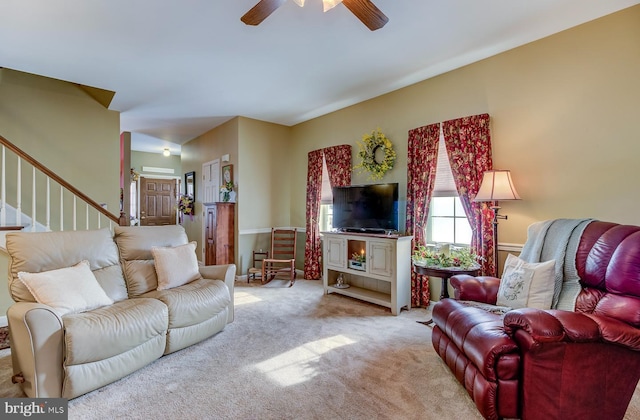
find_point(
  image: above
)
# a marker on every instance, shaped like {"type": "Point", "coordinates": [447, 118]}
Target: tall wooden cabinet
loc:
{"type": "Point", "coordinates": [219, 236]}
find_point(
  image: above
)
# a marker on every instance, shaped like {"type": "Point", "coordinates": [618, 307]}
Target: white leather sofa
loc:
{"type": "Point", "coordinates": [57, 354]}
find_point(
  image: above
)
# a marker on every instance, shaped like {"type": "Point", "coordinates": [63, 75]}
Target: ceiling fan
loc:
{"type": "Point", "coordinates": [364, 10]}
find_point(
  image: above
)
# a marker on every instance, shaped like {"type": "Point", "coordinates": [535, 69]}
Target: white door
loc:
{"type": "Point", "coordinates": [211, 181]}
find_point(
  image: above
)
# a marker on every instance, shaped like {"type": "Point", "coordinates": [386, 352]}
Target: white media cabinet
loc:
{"type": "Point", "coordinates": [385, 278]}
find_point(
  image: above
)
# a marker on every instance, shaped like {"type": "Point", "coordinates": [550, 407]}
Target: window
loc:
{"type": "Point", "coordinates": [447, 221]}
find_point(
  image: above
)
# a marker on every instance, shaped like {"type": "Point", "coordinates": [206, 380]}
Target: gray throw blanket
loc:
{"type": "Point", "coordinates": [557, 240]}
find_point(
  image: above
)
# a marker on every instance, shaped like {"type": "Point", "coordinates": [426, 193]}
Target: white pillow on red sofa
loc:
{"type": "Point", "coordinates": [526, 285]}
{"type": "Point", "coordinates": [175, 266]}
{"type": "Point", "coordinates": [67, 290]}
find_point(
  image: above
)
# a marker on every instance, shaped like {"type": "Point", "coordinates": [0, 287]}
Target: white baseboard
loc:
{"type": "Point", "coordinates": [3, 321]}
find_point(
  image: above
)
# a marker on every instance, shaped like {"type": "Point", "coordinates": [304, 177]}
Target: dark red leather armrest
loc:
{"type": "Point", "coordinates": [479, 289]}
{"type": "Point", "coordinates": [555, 325]}
{"type": "Point", "coordinates": [552, 325]}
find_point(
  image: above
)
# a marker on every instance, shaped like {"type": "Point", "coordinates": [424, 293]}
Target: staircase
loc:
{"type": "Point", "coordinates": [33, 198]}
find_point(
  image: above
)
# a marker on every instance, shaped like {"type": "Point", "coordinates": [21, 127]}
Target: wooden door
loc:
{"type": "Point", "coordinates": [157, 201]}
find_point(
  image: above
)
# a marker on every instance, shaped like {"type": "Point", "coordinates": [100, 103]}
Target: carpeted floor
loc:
{"type": "Point", "coordinates": [292, 353]}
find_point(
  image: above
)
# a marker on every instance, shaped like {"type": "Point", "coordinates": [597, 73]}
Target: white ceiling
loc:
{"type": "Point", "coordinates": [181, 67]}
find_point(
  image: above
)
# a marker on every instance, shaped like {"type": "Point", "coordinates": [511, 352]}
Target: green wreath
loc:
{"type": "Point", "coordinates": [369, 145]}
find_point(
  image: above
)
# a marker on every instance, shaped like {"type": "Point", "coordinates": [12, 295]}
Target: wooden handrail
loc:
{"type": "Point", "coordinates": [48, 172]}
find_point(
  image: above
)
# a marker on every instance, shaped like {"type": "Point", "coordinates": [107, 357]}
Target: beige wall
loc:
{"type": "Point", "coordinates": [156, 160]}
{"type": "Point", "coordinates": [563, 110]}
{"type": "Point", "coordinates": [265, 175]}
{"type": "Point", "coordinates": [259, 152]}
{"type": "Point", "coordinates": [563, 115]}
{"type": "Point", "coordinates": [58, 123]}
{"type": "Point", "coordinates": [65, 129]}
{"type": "Point", "coordinates": [211, 145]}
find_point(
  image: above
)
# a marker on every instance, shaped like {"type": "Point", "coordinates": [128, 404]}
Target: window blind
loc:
{"type": "Point", "coordinates": [445, 186]}
{"type": "Point", "coordinates": [326, 195]}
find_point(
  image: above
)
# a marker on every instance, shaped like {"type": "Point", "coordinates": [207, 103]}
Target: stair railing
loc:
{"type": "Point", "coordinates": [94, 213]}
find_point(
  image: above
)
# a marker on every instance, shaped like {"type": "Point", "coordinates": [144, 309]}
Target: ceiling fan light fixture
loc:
{"type": "Point", "coordinates": [299, 2]}
{"type": "Point", "coordinates": [330, 4]}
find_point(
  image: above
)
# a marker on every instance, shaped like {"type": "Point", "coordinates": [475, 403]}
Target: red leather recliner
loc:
{"type": "Point", "coordinates": [552, 364]}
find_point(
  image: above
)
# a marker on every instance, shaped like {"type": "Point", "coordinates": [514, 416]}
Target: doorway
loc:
{"type": "Point", "coordinates": [158, 201]}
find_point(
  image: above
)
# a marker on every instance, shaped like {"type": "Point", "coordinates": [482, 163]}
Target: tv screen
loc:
{"type": "Point", "coordinates": [371, 208]}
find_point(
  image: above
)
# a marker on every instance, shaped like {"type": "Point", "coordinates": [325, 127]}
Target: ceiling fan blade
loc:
{"type": "Point", "coordinates": [261, 11]}
{"type": "Point", "coordinates": [367, 12]}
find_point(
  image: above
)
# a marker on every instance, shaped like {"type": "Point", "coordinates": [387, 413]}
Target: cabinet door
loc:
{"type": "Point", "coordinates": [225, 233]}
{"type": "Point", "coordinates": [210, 231]}
{"type": "Point", "coordinates": [336, 252]}
{"type": "Point", "coordinates": [380, 259]}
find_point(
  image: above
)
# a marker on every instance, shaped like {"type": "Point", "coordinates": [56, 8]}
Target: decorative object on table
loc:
{"type": "Point", "coordinates": [227, 183]}
{"type": "Point", "coordinates": [461, 258]}
{"type": "Point", "coordinates": [358, 261]}
{"type": "Point", "coordinates": [226, 191]}
{"type": "Point", "coordinates": [190, 184]}
{"type": "Point", "coordinates": [340, 284]}
{"type": "Point", "coordinates": [376, 154]}
{"type": "Point", "coordinates": [186, 206]}
{"type": "Point", "coordinates": [496, 186]}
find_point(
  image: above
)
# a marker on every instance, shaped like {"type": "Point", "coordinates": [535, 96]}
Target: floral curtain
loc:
{"type": "Point", "coordinates": [338, 160]}
{"type": "Point", "coordinates": [422, 158]}
{"type": "Point", "coordinates": [468, 143]}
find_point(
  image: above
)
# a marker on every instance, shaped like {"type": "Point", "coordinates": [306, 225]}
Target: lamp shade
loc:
{"type": "Point", "coordinates": [497, 186]}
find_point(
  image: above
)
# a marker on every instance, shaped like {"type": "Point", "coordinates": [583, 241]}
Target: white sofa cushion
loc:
{"type": "Point", "coordinates": [526, 285]}
{"type": "Point", "coordinates": [176, 265]}
{"type": "Point", "coordinates": [67, 290]}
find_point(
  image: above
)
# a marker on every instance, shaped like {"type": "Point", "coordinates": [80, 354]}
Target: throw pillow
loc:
{"type": "Point", "coordinates": [526, 285]}
{"type": "Point", "coordinates": [175, 266]}
{"type": "Point", "coordinates": [67, 290]}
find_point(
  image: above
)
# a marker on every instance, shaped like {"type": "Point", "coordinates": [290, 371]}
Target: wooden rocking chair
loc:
{"type": "Point", "coordinates": [282, 258]}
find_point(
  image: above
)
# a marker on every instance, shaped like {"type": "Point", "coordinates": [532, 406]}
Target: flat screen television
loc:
{"type": "Point", "coordinates": [366, 208]}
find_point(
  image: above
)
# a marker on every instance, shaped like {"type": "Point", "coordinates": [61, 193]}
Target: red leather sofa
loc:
{"type": "Point", "coordinates": [552, 364]}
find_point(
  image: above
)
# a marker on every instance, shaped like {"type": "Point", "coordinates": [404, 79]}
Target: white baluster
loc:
{"type": "Point", "coordinates": [87, 215]}
{"type": "Point", "coordinates": [98, 220]}
{"type": "Point", "coordinates": [48, 207]}
{"type": "Point", "coordinates": [74, 212]}
{"type": "Point", "coordinates": [3, 208]}
{"type": "Point", "coordinates": [33, 200]}
{"type": "Point", "coordinates": [61, 208]}
{"type": "Point", "coordinates": [19, 194]}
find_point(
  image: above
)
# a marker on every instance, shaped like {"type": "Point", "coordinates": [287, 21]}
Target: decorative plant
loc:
{"type": "Point", "coordinates": [359, 257]}
{"type": "Point", "coordinates": [369, 145]}
{"type": "Point", "coordinates": [186, 205]}
{"type": "Point", "coordinates": [459, 257]}
{"type": "Point", "coordinates": [226, 189]}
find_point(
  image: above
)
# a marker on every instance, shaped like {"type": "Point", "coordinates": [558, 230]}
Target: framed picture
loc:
{"type": "Point", "coordinates": [227, 174]}
{"type": "Point", "coordinates": [190, 184]}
